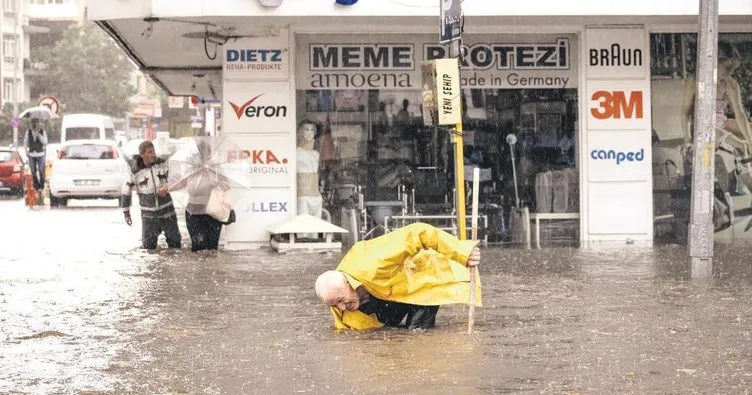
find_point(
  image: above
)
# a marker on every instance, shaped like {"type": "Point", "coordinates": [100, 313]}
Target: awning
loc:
{"type": "Point", "coordinates": [165, 38]}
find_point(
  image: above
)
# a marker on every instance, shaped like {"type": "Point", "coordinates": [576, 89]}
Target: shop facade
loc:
{"type": "Point", "coordinates": [588, 105]}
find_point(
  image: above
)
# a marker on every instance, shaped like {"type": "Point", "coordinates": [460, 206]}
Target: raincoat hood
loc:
{"type": "Point", "coordinates": [418, 264]}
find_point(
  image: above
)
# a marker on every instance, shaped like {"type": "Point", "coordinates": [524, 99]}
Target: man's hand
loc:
{"type": "Point", "coordinates": [128, 220]}
{"type": "Point", "coordinates": [474, 259]}
{"type": "Point", "coordinates": [162, 191]}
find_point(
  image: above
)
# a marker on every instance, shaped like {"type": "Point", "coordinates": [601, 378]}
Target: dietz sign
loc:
{"type": "Point", "coordinates": [254, 59]}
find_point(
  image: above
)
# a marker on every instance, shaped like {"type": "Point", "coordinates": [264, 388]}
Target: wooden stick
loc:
{"type": "Point", "coordinates": [473, 236]}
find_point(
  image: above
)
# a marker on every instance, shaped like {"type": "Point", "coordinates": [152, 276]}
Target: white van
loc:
{"type": "Point", "coordinates": [87, 127]}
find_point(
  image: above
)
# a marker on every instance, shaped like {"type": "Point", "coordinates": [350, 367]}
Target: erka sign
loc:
{"type": "Point", "coordinates": [257, 157]}
{"type": "Point", "coordinates": [248, 110]}
{"type": "Point", "coordinates": [617, 105]}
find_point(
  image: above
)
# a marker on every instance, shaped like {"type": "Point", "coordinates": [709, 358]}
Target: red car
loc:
{"type": "Point", "coordinates": [11, 171]}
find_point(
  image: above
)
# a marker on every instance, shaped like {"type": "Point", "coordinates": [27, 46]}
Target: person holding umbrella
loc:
{"type": "Point", "coordinates": [35, 141]}
{"type": "Point", "coordinates": [205, 186]}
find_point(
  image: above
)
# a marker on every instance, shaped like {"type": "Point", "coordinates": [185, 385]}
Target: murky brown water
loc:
{"type": "Point", "coordinates": [85, 312]}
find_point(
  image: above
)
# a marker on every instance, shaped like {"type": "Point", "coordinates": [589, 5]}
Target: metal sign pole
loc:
{"type": "Point", "coordinates": [450, 18]}
{"type": "Point", "coordinates": [703, 148]}
{"type": "Point", "coordinates": [459, 164]}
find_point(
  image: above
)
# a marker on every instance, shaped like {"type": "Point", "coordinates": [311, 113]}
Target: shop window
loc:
{"type": "Point", "coordinates": [370, 132]}
{"type": "Point", "coordinates": [673, 95]}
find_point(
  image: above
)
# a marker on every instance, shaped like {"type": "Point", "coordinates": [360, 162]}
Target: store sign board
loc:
{"type": "Point", "coordinates": [618, 156]}
{"type": "Point", "coordinates": [617, 148]}
{"type": "Point", "coordinates": [619, 209]}
{"type": "Point", "coordinates": [448, 92]}
{"type": "Point", "coordinates": [264, 160]}
{"type": "Point", "coordinates": [618, 105]}
{"type": "Point", "coordinates": [257, 58]}
{"type": "Point", "coordinates": [617, 54]}
{"type": "Point", "coordinates": [256, 210]}
{"type": "Point", "coordinates": [256, 107]}
{"type": "Point", "coordinates": [503, 62]}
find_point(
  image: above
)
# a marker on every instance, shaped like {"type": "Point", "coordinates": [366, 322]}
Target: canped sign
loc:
{"type": "Point", "coordinates": [618, 156]}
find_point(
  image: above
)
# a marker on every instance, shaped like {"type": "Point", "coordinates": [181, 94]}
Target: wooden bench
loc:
{"type": "Point", "coordinates": [537, 217]}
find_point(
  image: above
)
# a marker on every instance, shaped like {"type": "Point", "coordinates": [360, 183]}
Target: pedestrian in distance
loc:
{"type": "Point", "coordinates": [35, 141]}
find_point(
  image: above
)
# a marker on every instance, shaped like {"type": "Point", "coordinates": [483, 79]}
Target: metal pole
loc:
{"type": "Point", "coordinates": [459, 164]}
{"type": "Point", "coordinates": [703, 148]}
{"type": "Point", "coordinates": [16, 84]}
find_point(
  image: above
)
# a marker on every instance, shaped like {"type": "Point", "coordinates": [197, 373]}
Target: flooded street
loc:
{"type": "Point", "coordinates": [83, 310]}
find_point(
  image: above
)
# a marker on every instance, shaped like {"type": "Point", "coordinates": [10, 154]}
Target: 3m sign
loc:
{"type": "Point", "coordinates": [617, 105]}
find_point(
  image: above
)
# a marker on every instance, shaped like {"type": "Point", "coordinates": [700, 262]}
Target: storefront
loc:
{"type": "Point", "coordinates": [673, 69]}
{"type": "Point", "coordinates": [331, 123]}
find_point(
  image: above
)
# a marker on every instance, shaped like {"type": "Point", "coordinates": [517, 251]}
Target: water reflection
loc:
{"type": "Point", "coordinates": [111, 318]}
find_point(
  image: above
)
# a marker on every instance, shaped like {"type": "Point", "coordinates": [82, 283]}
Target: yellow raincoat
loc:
{"type": "Point", "coordinates": [418, 264]}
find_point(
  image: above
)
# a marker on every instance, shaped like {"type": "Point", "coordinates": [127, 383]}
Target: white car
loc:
{"type": "Point", "coordinates": [88, 169]}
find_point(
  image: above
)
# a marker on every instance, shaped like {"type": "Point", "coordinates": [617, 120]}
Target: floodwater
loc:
{"type": "Point", "coordinates": [84, 311]}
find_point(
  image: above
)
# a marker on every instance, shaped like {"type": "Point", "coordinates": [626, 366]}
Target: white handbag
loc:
{"type": "Point", "coordinates": [218, 205]}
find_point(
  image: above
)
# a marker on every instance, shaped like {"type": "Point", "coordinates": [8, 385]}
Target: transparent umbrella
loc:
{"type": "Point", "coordinates": [39, 112]}
{"type": "Point", "coordinates": [207, 176]}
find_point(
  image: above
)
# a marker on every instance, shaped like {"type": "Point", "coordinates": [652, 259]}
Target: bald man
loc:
{"type": "Point", "coordinates": [400, 279]}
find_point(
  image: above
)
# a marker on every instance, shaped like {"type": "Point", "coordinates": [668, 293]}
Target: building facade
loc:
{"type": "Point", "coordinates": [579, 113]}
{"type": "Point", "coordinates": [15, 28]}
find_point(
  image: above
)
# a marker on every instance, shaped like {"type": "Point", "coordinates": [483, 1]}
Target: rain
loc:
{"type": "Point", "coordinates": [265, 152]}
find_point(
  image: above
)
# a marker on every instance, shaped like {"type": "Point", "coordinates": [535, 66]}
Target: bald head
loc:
{"type": "Point", "coordinates": [334, 290]}
{"type": "Point", "coordinates": [330, 284]}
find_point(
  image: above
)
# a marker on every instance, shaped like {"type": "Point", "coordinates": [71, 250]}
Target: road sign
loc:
{"type": "Point", "coordinates": [204, 100]}
{"type": "Point", "coordinates": [176, 102]}
{"type": "Point", "coordinates": [451, 20]}
{"type": "Point", "coordinates": [51, 103]}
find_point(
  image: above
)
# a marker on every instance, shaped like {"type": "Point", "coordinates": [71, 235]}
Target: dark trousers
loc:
{"type": "Point", "coordinates": [36, 166]}
{"type": "Point", "coordinates": [393, 313]}
{"type": "Point", "coordinates": [204, 231]}
{"type": "Point", "coordinates": [152, 227]}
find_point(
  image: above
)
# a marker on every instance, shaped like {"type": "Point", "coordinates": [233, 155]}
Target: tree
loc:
{"type": "Point", "coordinates": [86, 72]}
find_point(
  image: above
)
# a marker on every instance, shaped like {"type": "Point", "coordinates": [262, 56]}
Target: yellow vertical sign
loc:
{"type": "Point", "coordinates": [448, 91]}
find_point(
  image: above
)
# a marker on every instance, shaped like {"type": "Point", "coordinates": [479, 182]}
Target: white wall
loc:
{"type": "Point", "coordinates": [119, 9]}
